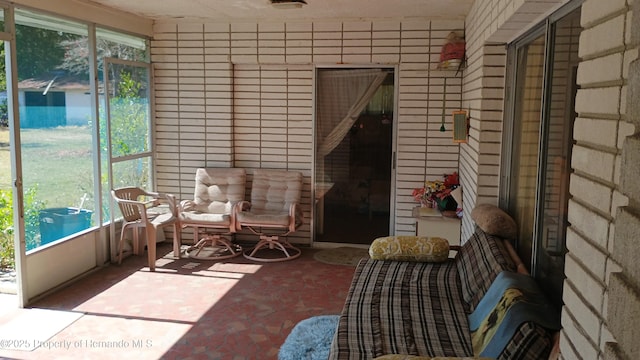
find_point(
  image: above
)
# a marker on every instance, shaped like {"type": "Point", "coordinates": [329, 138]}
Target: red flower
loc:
{"type": "Point", "coordinates": [451, 180]}
{"type": "Point", "coordinates": [418, 194]}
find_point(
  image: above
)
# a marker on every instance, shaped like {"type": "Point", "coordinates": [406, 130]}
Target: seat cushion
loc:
{"type": "Point", "coordinates": [274, 191]}
{"type": "Point", "coordinates": [264, 218]}
{"type": "Point", "coordinates": [410, 248]}
{"type": "Point", "coordinates": [217, 190]}
{"type": "Point", "coordinates": [197, 217]}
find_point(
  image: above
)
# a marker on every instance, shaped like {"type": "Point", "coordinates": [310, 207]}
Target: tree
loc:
{"type": "Point", "coordinates": [76, 59]}
{"type": "Point", "coordinates": [39, 51]}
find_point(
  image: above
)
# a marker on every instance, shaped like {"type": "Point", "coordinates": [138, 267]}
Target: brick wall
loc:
{"type": "Point", "coordinates": [605, 51]}
{"type": "Point", "coordinates": [623, 294]}
{"type": "Point", "coordinates": [240, 94]}
{"type": "Point", "coordinates": [489, 25]}
{"type": "Point", "coordinates": [601, 296]}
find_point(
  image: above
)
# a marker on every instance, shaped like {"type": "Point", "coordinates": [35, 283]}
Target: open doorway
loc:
{"type": "Point", "coordinates": [354, 151]}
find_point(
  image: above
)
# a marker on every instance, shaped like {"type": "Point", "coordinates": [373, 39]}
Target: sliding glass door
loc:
{"type": "Point", "coordinates": [353, 154]}
{"type": "Point", "coordinates": [538, 141]}
{"type": "Point", "coordinates": [526, 141]}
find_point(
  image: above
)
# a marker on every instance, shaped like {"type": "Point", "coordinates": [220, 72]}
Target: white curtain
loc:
{"type": "Point", "coordinates": [342, 95]}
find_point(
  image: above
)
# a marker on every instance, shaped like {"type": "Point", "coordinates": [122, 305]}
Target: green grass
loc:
{"type": "Point", "coordinates": [57, 161]}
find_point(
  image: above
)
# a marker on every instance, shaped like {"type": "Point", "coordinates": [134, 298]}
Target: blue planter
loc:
{"type": "Point", "coordinates": [56, 223]}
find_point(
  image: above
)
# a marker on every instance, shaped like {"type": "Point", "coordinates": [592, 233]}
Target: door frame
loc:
{"type": "Point", "coordinates": [394, 144]}
{"type": "Point", "coordinates": [15, 149]}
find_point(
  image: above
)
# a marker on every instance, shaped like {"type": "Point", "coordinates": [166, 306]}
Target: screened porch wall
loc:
{"type": "Point", "coordinates": [241, 95]}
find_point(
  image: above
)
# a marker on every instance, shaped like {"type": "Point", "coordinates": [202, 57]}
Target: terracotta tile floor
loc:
{"type": "Point", "coordinates": [190, 309]}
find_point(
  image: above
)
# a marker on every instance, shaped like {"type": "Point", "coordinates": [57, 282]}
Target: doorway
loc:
{"type": "Point", "coordinates": [354, 152]}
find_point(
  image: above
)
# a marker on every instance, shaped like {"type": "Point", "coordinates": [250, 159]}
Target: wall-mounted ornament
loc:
{"type": "Point", "coordinates": [460, 126]}
{"type": "Point", "coordinates": [452, 55]}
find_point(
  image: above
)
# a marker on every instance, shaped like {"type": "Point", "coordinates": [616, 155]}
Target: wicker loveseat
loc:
{"type": "Point", "coordinates": [428, 309]}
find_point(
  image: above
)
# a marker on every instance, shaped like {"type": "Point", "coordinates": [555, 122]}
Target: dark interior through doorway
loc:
{"type": "Point", "coordinates": [356, 209]}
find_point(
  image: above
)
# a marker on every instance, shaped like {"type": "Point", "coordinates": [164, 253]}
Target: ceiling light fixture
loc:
{"type": "Point", "coordinates": [288, 4]}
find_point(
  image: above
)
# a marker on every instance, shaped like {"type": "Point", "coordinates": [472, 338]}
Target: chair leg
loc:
{"type": "Point", "coordinates": [273, 242]}
{"type": "Point", "coordinates": [135, 245]}
{"type": "Point", "coordinates": [177, 240]}
{"type": "Point", "coordinates": [121, 244]}
{"type": "Point", "coordinates": [220, 248]}
{"type": "Point", "coordinates": [151, 247]}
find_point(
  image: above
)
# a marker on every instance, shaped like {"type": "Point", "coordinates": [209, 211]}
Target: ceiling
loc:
{"type": "Point", "coordinates": [226, 10]}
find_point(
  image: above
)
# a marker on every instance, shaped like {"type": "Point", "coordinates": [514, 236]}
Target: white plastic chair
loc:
{"type": "Point", "coordinates": [147, 214]}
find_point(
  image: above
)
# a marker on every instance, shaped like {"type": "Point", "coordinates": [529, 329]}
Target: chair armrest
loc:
{"type": "Point", "coordinates": [173, 203]}
{"type": "Point", "coordinates": [239, 207]}
{"type": "Point", "coordinates": [185, 205]}
{"type": "Point", "coordinates": [142, 207]}
{"type": "Point", "coordinates": [161, 198]}
{"type": "Point", "coordinates": [155, 197]}
{"type": "Point", "coordinates": [296, 216]}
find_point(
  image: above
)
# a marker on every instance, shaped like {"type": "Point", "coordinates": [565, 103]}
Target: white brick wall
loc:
{"type": "Point", "coordinates": [240, 94]}
{"type": "Point", "coordinates": [601, 104]}
{"type": "Point", "coordinates": [606, 53]}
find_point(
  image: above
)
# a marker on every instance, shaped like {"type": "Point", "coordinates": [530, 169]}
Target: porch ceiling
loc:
{"type": "Point", "coordinates": [315, 9]}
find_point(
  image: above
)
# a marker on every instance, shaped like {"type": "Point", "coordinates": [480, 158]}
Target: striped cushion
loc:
{"type": "Point", "coordinates": [530, 342]}
{"type": "Point", "coordinates": [403, 308]}
{"type": "Point", "coordinates": [479, 261]}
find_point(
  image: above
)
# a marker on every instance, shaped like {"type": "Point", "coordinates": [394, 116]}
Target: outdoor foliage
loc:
{"type": "Point", "coordinates": [32, 207]}
{"type": "Point", "coordinates": [76, 60]}
{"type": "Point", "coordinates": [129, 112]}
{"type": "Point", "coordinates": [7, 251]}
{"type": "Point", "coordinates": [34, 61]}
{"type": "Point", "coordinates": [4, 113]}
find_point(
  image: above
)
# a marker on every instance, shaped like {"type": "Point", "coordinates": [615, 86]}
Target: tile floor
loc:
{"type": "Point", "coordinates": [187, 309]}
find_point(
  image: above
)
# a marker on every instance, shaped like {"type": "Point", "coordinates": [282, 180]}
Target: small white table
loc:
{"type": "Point", "coordinates": [430, 222]}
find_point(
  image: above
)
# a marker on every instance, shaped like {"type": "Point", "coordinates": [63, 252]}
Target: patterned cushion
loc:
{"type": "Point", "coordinates": [401, 307]}
{"type": "Point", "coordinates": [402, 357]}
{"type": "Point", "coordinates": [479, 261]}
{"type": "Point", "coordinates": [412, 357]}
{"type": "Point", "coordinates": [530, 342]}
{"type": "Point", "coordinates": [410, 248]}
